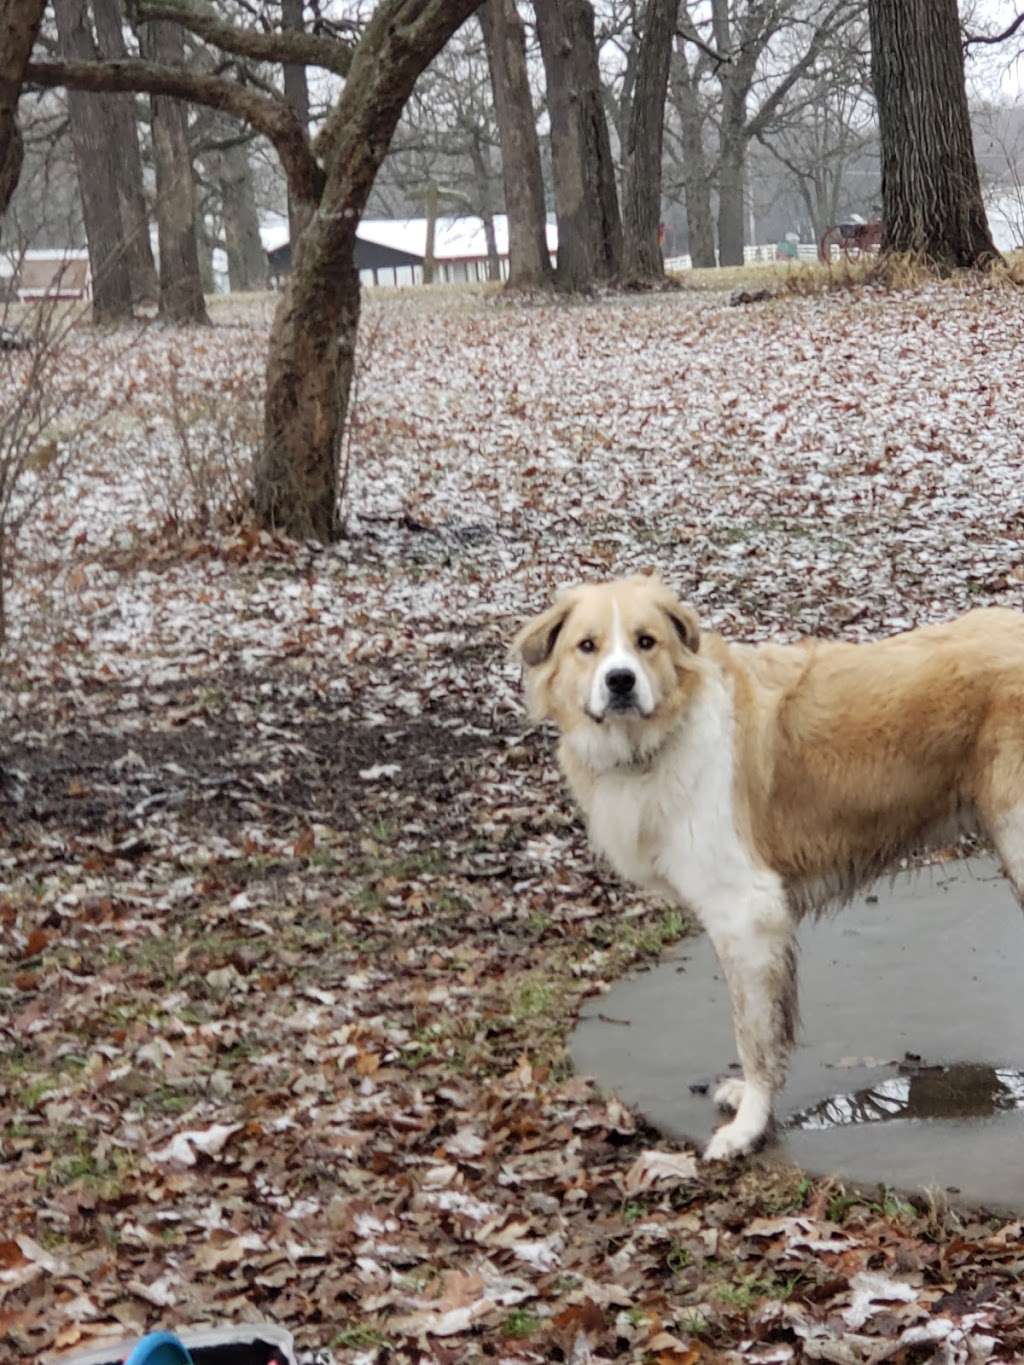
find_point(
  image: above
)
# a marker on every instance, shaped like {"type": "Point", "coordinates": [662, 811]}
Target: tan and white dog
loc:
{"type": "Point", "coordinates": [755, 783]}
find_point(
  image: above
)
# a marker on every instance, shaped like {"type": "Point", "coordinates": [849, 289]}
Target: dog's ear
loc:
{"type": "Point", "coordinates": [536, 641]}
{"type": "Point", "coordinates": [683, 618]}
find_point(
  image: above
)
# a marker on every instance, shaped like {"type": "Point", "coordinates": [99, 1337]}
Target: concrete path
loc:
{"type": "Point", "coordinates": [910, 1070]}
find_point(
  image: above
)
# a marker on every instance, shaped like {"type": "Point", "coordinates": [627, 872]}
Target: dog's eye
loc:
{"type": "Point", "coordinates": [646, 642]}
{"type": "Point", "coordinates": [587, 646]}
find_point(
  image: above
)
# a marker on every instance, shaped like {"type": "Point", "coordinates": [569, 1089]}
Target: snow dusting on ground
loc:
{"type": "Point", "coordinates": [296, 913]}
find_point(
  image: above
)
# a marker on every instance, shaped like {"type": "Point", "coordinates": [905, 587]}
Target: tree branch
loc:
{"type": "Point", "coordinates": [719, 58]}
{"type": "Point", "coordinates": [971, 38]}
{"type": "Point", "coordinates": [824, 31]}
{"type": "Point", "coordinates": [304, 49]}
{"type": "Point", "coordinates": [271, 117]}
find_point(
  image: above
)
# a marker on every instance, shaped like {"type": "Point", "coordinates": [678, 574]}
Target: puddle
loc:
{"type": "Point", "coordinates": [928, 967]}
{"type": "Point", "coordinates": [962, 1091]}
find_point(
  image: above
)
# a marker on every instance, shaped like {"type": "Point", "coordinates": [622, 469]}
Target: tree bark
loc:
{"type": "Point", "coordinates": [529, 262]}
{"type": "Point", "coordinates": [312, 344]}
{"type": "Point", "coordinates": [931, 195]}
{"type": "Point", "coordinates": [306, 49]}
{"type": "Point", "coordinates": [696, 174]}
{"type": "Point", "coordinates": [586, 199]}
{"type": "Point", "coordinates": [247, 261]}
{"type": "Point", "coordinates": [731, 178]}
{"type": "Point", "coordinates": [491, 238]}
{"type": "Point", "coordinates": [127, 160]}
{"type": "Point", "coordinates": [296, 92]}
{"type": "Point", "coordinates": [94, 139]}
{"type": "Point", "coordinates": [19, 25]}
{"type": "Point", "coordinates": [643, 263]}
{"type": "Point", "coordinates": [430, 210]}
{"type": "Point", "coordinates": [181, 286]}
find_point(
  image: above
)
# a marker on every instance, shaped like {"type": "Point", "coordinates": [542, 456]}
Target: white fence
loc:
{"type": "Point", "coordinates": [768, 254]}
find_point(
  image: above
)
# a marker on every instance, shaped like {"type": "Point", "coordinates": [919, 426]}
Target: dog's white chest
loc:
{"type": "Point", "coordinates": [628, 827]}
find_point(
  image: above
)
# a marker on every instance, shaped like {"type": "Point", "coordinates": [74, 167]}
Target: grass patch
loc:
{"type": "Point", "coordinates": [749, 1290]}
{"type": "Point", "coordinates": [359, 1337]}
{"type": "Point", "coordinates": [520, 1323]}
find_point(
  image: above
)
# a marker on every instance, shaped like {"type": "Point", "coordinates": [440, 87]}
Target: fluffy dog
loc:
{"type": "Point", "coordinates": [756, 783]}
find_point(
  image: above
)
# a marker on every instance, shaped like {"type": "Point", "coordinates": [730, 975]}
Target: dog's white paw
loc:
{"type": "Point", "coordinates": [733, 1139]}
{"type": "Point", "coordinates": [729, 1094]}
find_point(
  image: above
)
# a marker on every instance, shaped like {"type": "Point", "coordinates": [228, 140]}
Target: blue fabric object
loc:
{"type": "Point", "coordinates": [159, 1348]}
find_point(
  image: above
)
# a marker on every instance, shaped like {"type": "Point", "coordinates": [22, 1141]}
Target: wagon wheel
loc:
{"type": "Point", "coordinates": [830, 237]}
{"type": "Point", "coordinates": [853, 248]}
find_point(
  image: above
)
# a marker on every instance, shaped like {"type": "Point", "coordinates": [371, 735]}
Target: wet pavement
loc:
{"type": "Point", "coordinates": [910, 1066]}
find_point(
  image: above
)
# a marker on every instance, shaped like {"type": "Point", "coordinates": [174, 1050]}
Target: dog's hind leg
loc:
{"type": "Point", "coordinates": [1007, 834]}
{"type": "Point", "coordinates": [999, 796]}
{"type": "Point", "coordinates": [756, 947]}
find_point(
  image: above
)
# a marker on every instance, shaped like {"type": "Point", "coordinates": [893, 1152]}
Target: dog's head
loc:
{"type": "Point", "coordinates": [614, 665]}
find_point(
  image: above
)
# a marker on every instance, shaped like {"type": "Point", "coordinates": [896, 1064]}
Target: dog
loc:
{"type": "Point", "coordinates": [757, 783]}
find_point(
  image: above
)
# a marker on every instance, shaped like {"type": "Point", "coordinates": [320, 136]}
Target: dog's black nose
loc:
{"type": "Point", "coordinates": [621, 681]}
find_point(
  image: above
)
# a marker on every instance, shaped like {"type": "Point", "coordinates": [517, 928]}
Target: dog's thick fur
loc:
{"type": "Point", "coordinates": [755, 783]}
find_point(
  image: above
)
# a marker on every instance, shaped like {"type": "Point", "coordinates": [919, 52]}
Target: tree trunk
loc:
{"type": "Point", "coordinates": [586, 200]}
{"type": "Point", "coordinates": [529, 262]}
{"type": "Point", "coordinates": [312, 344]}
{"type": "Point", "coordinates": [296, 90]}
{"type": "Point", "coordinates": [247, 261]}
{"type": "Point", "coordinates": [491, 238]}
{"type": "Point", "coordinates": [138, 250]}
{"type": "Point", "coordinates": [483, 199]}
{"type": "Point", "coordinates": [430, 245]}
{"type": "Point", "coordinates": [19, 24]}
{"type": "Point", "coordinates": [696, 176]}
{"type": "Point", "coordinates": [931, 196]}
{"type": "Point", "coordinates": [95, 145]}
{"type": "Point", "coordinates": [181, 287]}
{"type": "Point", "coordinates": [643, 263]}
{"type": "Point", "coordinates": [731, 179]}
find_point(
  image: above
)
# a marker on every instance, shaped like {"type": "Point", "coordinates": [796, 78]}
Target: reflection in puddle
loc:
{"type": "Point", "coordinates": [963, 1091]}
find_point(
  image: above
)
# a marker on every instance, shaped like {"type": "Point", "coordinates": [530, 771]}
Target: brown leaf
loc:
{"type": "Point", "coordinates": [585, 1317]}
{"type": "Point", "coordinates": [38, 939]}
{"type": "Point", "coordinates": [11, 1256]}
{"type": "Point", "coordinates": [304, 844]}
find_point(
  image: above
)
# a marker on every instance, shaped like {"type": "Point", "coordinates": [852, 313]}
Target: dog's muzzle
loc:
{"type": "Point", "coordinates": [621, 687]}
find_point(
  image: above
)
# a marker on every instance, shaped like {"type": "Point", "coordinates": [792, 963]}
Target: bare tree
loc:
{"type": "Point", "coordinates": [586, 197]}
{"type": "Point", "coordinates": [932, 207]}
{"type": "Point", "coordinates": [686, 78]}
{"type": "Point", "coordinates": [127, 159]}
{"type": "Point", "coordinates": [642, 150]}
{"type": "Point", "coordinates": [312, 343]}
{"type": "Point", "coordinates": [529, 261]}
{"type": "Point", "coordinates": [96, 147]}
{"type": "Point", "coordinates": [247, 261]}
{"type": "Point", "coordinates": [829, 130]}
{"type": "Point", "coordinates": [19, 27]}
{"type": "Point", "coordinates": [181, 286]}
{"type": "Point", "coordinates": [999, 144]}
{"type": "Point", "coordinates": [296, 89]}
{"type": "Point", "coordinates": [444, 155]}
{"type": "Point", "coordinates": [737, 38]}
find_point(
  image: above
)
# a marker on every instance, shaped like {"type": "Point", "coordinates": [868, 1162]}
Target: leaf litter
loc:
{"type": "Point", "coordinates": [296, 915]}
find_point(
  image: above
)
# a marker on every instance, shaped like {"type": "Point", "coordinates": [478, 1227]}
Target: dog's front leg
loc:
{"type": "Point", "coordinates": [756, 947]}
